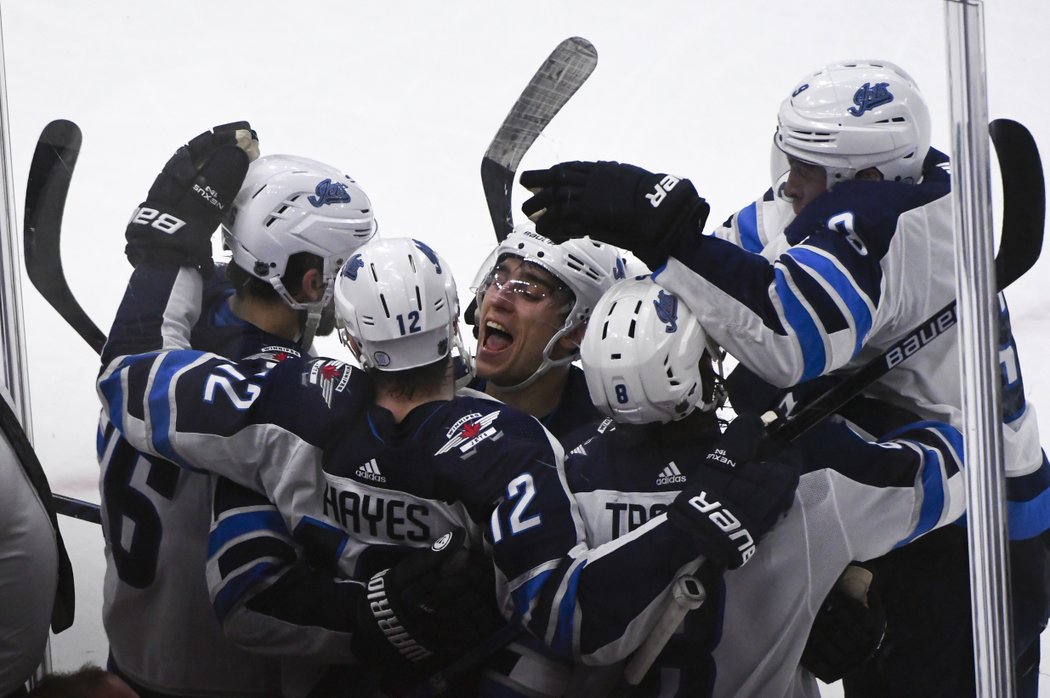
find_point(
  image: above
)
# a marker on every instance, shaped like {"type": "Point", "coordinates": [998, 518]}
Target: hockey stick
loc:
{"type": "Point", "coordinates": [564, 71]}
{"type": "Point", "coordinates": [1024, 209]}
{"type": "Point", "coordinates": [49, 176]}
{"type": "Point", "coordinates": [687, 595]}
{"type": "Point", "coordinates": [76, 508]}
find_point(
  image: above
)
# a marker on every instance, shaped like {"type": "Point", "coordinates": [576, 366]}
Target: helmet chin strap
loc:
{"type": "Point", "coordinates": [313, 310]}
{"type": "Point", "coordinates": [546, 364]}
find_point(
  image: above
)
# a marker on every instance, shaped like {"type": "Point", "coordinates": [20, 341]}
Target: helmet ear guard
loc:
{"type": "Point", "coordinates": [853, 115]}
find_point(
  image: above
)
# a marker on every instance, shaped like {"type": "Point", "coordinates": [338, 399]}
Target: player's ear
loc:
{"type": "Point", "coordinates": [312, 287]}
{"type": "Point", "coordinates": [569, 343]}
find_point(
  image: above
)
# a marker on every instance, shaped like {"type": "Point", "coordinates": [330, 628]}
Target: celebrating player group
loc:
{"type": "Point", "coordinates": [518, 516]}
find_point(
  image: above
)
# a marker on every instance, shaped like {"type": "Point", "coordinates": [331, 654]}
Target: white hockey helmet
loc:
{"type": "Point", "coordinates": [398, 303]}
{"type": "Point", "coordinates": [289, 205]}
{"type": "Point", "coordinates": [586, 267]}
{"type": "Point", "coordinates": [852, 115]}
{"type": "Point", "coordinates": [641, 355]}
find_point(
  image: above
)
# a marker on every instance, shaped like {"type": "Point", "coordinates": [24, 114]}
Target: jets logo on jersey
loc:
{"type": "Point", "coordinates": [329, 192]}
{"type": "Point", "coordinates": [370, 471]}
{"type": "Point", "coordinates": [469, 431]}
{"type": "Point", "coordinates": [273, 355]}
{"type": "Point", "coordinates": [667, 311]}
{"type": "Point", "coordinates": [670, 475]}
{"type": "Point", "coordinates": [869, 96]}
{"type": "Point", "coordinates": [331, 376]}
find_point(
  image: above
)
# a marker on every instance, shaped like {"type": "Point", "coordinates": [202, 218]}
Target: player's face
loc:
{"type": "Point", "coordinates": [805, 182]}
{"type": "Point", "coordinates": [521, 308]}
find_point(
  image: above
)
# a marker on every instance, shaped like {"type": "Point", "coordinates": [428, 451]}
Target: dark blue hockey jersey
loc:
{"type": "Point", "coordinates": [347, 479]}
{"type": "Point", "coordinates": [856, 500]}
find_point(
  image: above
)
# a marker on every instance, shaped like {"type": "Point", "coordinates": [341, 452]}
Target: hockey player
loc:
{"type": "Point", "coordinates": [646, 366]}
{"type": "Point", "coordinates": [863, 256]}
{"type": "Point", "coordinates": [29, 564]}
{"type": "Point", "coordinates": [532, 301]}
{"type": "Point", "coordinates": [295, 222]}
{"type": "Point", "coordinates": [532, 304]}
{"type": "Point", "coordinates": [358, 462]}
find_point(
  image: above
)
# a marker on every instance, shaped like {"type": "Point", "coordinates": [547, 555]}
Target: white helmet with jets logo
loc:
{"type": "Point", "coordinates": [289, 205]}
{"type": "Point", "coordinates": [641, 355]}
{"type": "Point", "coordinates": [852, 115]}
{"type": "Point", "coordinates": [398, 303]}
{"type": "Point", "coordinates": [586, 267]}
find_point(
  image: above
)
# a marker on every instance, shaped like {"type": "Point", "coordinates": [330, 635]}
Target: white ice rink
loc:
{"type": "Point", "coordinates": [405, 96]}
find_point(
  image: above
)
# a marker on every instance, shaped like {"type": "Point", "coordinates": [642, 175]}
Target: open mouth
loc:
{"type": "Point", "coordinates": [496, 337]}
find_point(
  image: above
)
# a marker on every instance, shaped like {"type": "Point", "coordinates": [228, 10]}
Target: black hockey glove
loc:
{"type": "Point", "coordinates": [620, 204]}
{"type": "Point", "coordinates": [189, 198]}
{"type": "Point", "coordinates": [737, 494]}
{"type": "Point", "coordinates": [429, 608]}
{"type": "Point", "coordinates": [847, 630]}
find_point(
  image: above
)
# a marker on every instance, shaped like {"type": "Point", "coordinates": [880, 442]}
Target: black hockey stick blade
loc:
{"type": "Point", "coordinates": [49, 176]}
{"type": "Point", "coordinates": [1024, 208]}
{"type": "Point", "coordinates": [1024, 202]}
{"type": "Point", "coordinates": [557, 80]}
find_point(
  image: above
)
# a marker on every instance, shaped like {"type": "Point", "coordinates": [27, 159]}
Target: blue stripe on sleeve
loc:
{"type": "Point", "coordinates": [810, 340]}
{"type": "Point", "coordinates": [946, 431]}
{"type": "Point", "coordinates": [562, 642]}
{"type": "Point", "coordinates": [747, 224]}
{"type": "Point", "coordinates": [843, 286]}
{"type": "Point", "coordinates": [112, 389]}
{"type": "Point", "coordinates": [525, 594]}
{"type": "Point", "coordinates": [231, 527]}
{"type": "Point", "coordinates": [160, 397]}
{"type": "Point", "coordinates": [232, 591]}
{"type": "Point", "coordinates": [932, 495]}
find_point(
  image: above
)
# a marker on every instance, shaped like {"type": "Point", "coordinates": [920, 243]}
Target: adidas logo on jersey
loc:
{"type": "Point", "coordinates": [670, 475]}
{"type": "Point", "coordinates": [370, 471]}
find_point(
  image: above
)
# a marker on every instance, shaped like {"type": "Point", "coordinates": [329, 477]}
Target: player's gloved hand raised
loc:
{"type": "Point", "coordinates": [848, 628]}
{"type": "Point", "coordinates": [616, 203]}
{"type": "Point", "coordinates": [190, 197]}
{"type": "Point", "coordinates": [433, 605]}
{"type": "Point", "coordinates": [737, 494]}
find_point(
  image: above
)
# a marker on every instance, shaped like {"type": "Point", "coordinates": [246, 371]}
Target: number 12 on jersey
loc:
{"type": "Point", "coordinates": [520, 492]}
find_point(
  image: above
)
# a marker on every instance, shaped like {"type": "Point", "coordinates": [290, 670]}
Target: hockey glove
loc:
{"type": "Point", "coordinates": [736, 494]}
{"type": "Point", "coordinates": [848, 629]}
{"type": "Point", "coordinates": [620, 204]}
{"type": "Point", "coordinates": [433, 605]}
{"type": "Point", "coordinates": [189, 198]}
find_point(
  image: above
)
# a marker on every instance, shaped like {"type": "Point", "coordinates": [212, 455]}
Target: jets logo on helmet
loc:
{"type": "Point", "coordinates": [431, 255]}
{"type": "Point", "coordinates": [869, 97]}
{"type": "Point", "coordinates": [667, 310]}
{"type": "Point", "coordinates": [352, 266]}
{"type": "Point", "coordinates": [329, 192]}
